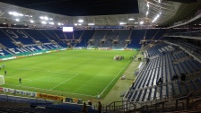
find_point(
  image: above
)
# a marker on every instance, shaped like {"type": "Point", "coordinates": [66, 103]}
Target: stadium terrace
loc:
{"type": "Point", "coordinates": [130, 56]}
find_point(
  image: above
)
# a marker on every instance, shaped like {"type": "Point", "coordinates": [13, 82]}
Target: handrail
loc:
{"type": "Point", "coordinates": [187, 22]}
{"type": "Point", "coordinates": [122, 106]}
{"type": "Point", "coordinates": [187, 50]}
{"type": "Point", "coordinates": [166, 102]}
{"type": "Point", "coordinates": [184, 98]}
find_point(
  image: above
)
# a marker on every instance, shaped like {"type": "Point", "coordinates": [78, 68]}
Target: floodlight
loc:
{"type": "Point", "coordinates": [80, 21]}
{"type": "Point", "coordinates": [17, 19]}
{"type": "Point", "coordinates": [91, 24]}
{"type": "Point", "coordinates": [147, 13]}
{"type": "Point", "coordinates": [131, 19]}
{"type": "Point", "coordinates": [148, 4]}
{"type": "Point", "coordinates": [51, 23]}
{"type": "Point", "coordinates": [44, 22]}
{"type": "Point", "coordinates": [157, 16]}
{"type": "Point", "coordinates": [15, 14]}
{"type": "Point", "coordinates": [59, 24]}
{"type": "Point", "coordinates": [41, 17]}
{"type": "Point", "coordinates": [122, 23]}
{"type": "Point", "coordinates": [31, 21]}
{"type": "Point", "coordinates": [10, 13]}
{"type": "Point", "coordinates": [135, 22]}
{"type": "Point", "coordinates": [45, 18]}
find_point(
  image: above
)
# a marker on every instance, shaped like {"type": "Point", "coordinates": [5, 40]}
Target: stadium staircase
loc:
{"type": "Point", "coordinates": [136, 36]}
{"type": "Point", "coordinates": [116, 42]}
{"type": "Point", "coordinates": [79, 39]}
{"type": "Point", "coordinates": [124, 38]}
{"type": "Point", "coordinates": [85, 37]}
{"type": "Point", "coordinates": [91, 41]}
{"type": "Point", "coordinates": [97, 37]}
{"type": "Point", "coordinates": [128, 40]}
{"type": "Point", "coordinates": [103, 40]}
{"type": "Point", "coordinates": [108, 38]}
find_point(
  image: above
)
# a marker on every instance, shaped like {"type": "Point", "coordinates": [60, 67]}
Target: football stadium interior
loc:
{"type": "Point", "coordinates": [100, 56]}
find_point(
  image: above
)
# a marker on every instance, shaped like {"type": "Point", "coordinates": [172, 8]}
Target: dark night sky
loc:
{"type": "Point", "coordinates": [80, 7]}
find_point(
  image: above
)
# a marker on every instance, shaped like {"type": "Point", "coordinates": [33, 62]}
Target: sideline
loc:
{"type": "Point", "coordinates": [115, 77]}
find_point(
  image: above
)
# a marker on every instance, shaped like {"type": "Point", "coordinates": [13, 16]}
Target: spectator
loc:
{"type": "Point", "coordinates": [20, 80]}
{"type": "Point", "coordinates": [99, 107]}
{"type": "Point", "coordinates": [5, 72]}
{"type": "Point", "coordinates": [89, 102]}
{"type": "Point", "coordinates": [84, 108]}
{"type": "Point", "coordinates": [160, 81]}
{"type": "Point", "coordinates": [174, 77]}
{"type": "Point", "coordinates": [183, 77]}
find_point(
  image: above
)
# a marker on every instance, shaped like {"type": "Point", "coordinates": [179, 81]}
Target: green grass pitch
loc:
{"type": "Point", "coordinates": [72, 73]}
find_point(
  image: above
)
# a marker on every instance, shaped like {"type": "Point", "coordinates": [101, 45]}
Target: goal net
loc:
{"type": "Point", "coordinates": [2, 80]}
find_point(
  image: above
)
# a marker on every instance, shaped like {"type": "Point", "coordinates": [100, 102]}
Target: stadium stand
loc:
{"type": "Point", "coordinates": [101, 38]}
{"type": "Point", "coordinates": [135, 37]}
{"type": "Point", "coordinates": [168, 80]}
{"type": "Point", "coordinates": [84, 38]}
{"type": "Point", "coordinates": [20, 105]}
{"type": "Point", "coordinates": [164, 62]}
{"type": "Point", "coordinates": [120, 40]}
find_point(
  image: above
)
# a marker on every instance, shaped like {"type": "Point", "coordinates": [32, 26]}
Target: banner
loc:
{"type": "Point", "coordinates": [73, 100]}
{"type": "Point", "coordinates": [1, 89]}
{"type": "Point", "coordinates": [69, 100]}
{"type": "Point", "coordinates": [50, 97]}
{"type": "Point", "coordinates": [8, 58]}
{"type": "Point", "coordinates": [20, 57]}
{"type": "Point", "coordinates": [20, 92]}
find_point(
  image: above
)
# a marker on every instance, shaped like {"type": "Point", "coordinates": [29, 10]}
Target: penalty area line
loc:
{"type": "Point", "coordinates": [114, 78]}
{"type": "Point", "coordinates": [63, 82]}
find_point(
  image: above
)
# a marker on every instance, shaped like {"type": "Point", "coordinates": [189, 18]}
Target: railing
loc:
{"type": "Point", "coordinates": [197, 55]}
{"type": "Point", "coordinates": [187, 102]}
{"type": "Point", "coordinates": [120, 107]}
{"type": "Point", "coordinates": [188, 50]}
{"type": "Point", "coordinates": [197, 17]}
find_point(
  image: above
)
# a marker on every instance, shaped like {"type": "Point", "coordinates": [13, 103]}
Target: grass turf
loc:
{"type": "Point", "coordinates": [72, 73]}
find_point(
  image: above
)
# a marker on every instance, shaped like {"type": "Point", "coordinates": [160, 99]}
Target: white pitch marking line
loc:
{"type": "Point", "coordinates": [47, 90]}
{"type": "Point", "coordinates": [63, 82]}
{"type": "Point", "coordinates": [114, 78]}
{"type": "Point", "coordinates": [16, 78]}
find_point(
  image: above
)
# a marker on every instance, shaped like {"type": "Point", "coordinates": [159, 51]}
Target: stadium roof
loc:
{"type": "Point", "coordinates": [53, 13]}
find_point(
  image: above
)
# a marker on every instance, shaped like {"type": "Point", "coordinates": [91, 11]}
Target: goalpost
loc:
{"type": "Point", "coordinates": [2, 80]}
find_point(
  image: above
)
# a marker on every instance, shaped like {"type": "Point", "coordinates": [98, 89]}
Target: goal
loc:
{"type": "Point", "coordinates": [2, 80]}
